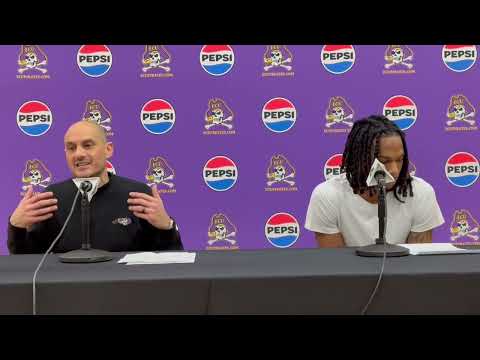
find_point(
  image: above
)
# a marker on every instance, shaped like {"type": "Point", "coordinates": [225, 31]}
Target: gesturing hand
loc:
{"type": "Point", "coordinates": [149, 208]}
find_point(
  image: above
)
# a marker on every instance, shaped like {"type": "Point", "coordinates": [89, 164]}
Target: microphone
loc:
{"type": "Point", "coordinates": [88, 187]}
{"type": "Point", "coordinates": [378, 173]}
{"type": "Point", "coordinates": [379, 176]}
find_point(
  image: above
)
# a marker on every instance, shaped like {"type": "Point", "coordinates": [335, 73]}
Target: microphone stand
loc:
{"type": "Point", "coordinates": [381, 246]}
{"type": "Point", "coordinates": [86, 254]}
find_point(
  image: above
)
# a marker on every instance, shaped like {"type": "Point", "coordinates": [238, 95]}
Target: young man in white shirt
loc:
{"type": "Point", "coordinates": [343, 211]}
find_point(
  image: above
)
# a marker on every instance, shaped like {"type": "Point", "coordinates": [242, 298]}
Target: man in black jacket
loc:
{"type": "Point", "coordinates": [126, 215]}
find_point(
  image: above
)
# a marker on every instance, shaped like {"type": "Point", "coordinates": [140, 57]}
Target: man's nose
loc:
{"type": "Point", "coordinates": [394, 169]}
{"type": "Point", "coordinates": [79, 152]}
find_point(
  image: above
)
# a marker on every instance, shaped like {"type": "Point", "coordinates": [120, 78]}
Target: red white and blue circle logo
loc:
{"type": "Point", "coordinates": [462, 169]}
{"type": "Point", "coordinates": [338, 59]}
{"type": "Point", "coordinates": [110, 168]}
{"type": "Point", "coordinates": [332, 166]}
{"type": "Point", "coordinates": [282, 230]}
{"type": "Point", "coordinates": [94, 60]}
{"type": "Point", "coordinates": [157, 116]}
{"type": "Point", "coordinates": [279, 115]}
{"type": "Point", "coordinates": [217, 60]}
{"type": "Point", "coordinates": [34, 118]}
{"type": "Point", "coordinates": [401, 110]}
{"type": "Point", "coordinates": [220, 173]}
{"type": "Point", "coordinates": [459, 58]}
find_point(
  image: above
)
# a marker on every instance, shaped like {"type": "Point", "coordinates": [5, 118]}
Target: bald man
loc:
{"type": "Point", "coordinates": [126, 215]}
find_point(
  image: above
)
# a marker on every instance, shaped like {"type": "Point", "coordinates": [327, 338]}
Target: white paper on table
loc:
{"type": "Point", "coordinates": [181, 257]}
{"type": "Point", "coordinates": [437, 248]}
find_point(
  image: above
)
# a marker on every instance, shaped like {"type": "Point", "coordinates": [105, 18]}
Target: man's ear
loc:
{"type": "Point", "coordinates": [109, 149]}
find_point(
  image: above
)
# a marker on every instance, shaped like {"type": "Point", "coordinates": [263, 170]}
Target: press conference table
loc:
{"type": "Point", "coordinates": [283, 281]}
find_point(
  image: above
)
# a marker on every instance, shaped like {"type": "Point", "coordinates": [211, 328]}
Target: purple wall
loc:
{"type": "Point", "coordinates": [244, 90]}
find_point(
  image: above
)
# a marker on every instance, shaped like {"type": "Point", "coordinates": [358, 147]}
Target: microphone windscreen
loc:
{"type": "Point", "coordinates": [376, 167]}
{"type": "Point", "coordinates": [86, 186]}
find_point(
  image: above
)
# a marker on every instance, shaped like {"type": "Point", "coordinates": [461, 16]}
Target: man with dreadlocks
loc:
{"type": "Point", "coordinates": [343, 211]}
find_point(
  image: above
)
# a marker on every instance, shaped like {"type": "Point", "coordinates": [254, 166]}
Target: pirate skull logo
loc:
{"type": "Point", "coordinates": [460, 109]}
{"type": "Point", "coordinates": [339, 112]}
{"type": "Point", "coordinates": [220, 232]}
{"type": "Point", "coordinates": [280, 171]}
{"type": "Point", "coordinates": [31, 60]}
{"type": "Point", "coordinates": [156, 57]}
{"type": "Point", "coordinates": [398, 55]}
{"type": "Point", "coordinates": [97, 113]}
{"type": "Point", "coordinates": [218, 114]}
{"type": "Point", "coordinates": [35, 177]}
{"type": "Point", "coordinates": [221, 229]}
{"type": "Point", "coordinates": [31, 57]}
{"type": "Point", "coordinates": [277, 56]}
{"type": "Point", "coordinates": [36, 174]}
{"type": "Point", "coordinates": [461, 226]}
{"type": "Point", "coordinates": [95, 116]}
{"type": "Point", "coordinates": [160, 173]}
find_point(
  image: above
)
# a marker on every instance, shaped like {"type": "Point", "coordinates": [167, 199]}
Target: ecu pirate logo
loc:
{"type": "Point", "coordinates": [460, 112]}
{"type": "Point", "coordinates": [122, 221]}
{"type": "Point", "coordinates": [222, 231]}
{"type": "Point", "coordinates": [275, 59]}
{"type": "Point", "coordinates": [155, 61]}
{"type": "Point", "coordinates": [339, 112]}
{"type": "Point", "coordinates": [280, 172]}
{"type": "Point", "coordinates": [398, 60]}
{"type": "Point", "coordinates": [96, 112]}
{"type": "Point", "coordinates": [463, 225]}
{"type": "Point", "coordinates": [219, 116]}
{"type": "Point", "coordinates": [32, 61]}
{"type": "Point", "coordinates": [36, 175]}
{"type": "Point", "coordinates": [160, 173]}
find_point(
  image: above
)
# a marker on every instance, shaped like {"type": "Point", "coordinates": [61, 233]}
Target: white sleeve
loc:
{"type": "Point", "coordinates": [322, 213]}
{"type": "Point", "coordinates": [426, 212]}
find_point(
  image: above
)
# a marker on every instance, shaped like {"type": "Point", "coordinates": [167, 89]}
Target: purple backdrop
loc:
{"type": "Point", "coordinates": [424, 75]}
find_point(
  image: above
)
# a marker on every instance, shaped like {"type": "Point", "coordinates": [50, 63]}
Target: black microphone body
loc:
{"type": "Point", "coordinates": [85, 187]}
{"type": "Point", "coordinates": [381, 246]}
{"type": "Point", "coordinates": [85, 211]}
{"type": "Point", "coordinates": [380, 177]}
{"type": "Point", "coordinates": [86, 254]}
{"type": "Point", "coordinates": [382, 211]}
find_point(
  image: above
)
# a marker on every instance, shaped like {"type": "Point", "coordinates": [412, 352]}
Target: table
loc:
{"type": "Point", "coordinates": [277, 281]}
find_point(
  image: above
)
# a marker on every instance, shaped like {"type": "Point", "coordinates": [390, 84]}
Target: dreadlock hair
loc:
{"type": "Point", "coordinates": [361, 149]}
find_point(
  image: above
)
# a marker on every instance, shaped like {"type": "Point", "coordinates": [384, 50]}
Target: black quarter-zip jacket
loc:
{"type": "Point", "coordinates": [112, 226]}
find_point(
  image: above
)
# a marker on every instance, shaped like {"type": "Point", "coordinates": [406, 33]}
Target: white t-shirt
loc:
{"type": "Point", "coordinates": [334, 208]}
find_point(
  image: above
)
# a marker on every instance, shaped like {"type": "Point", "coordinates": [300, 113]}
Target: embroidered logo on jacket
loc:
{"type": "Point", "coordinates": [122, 221]}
